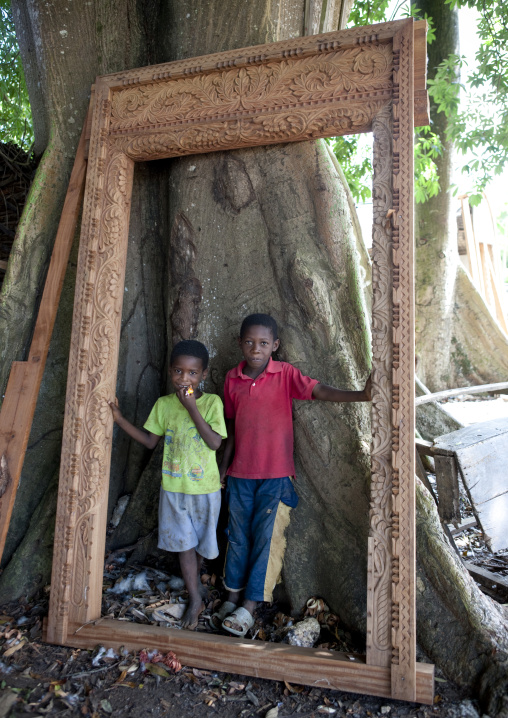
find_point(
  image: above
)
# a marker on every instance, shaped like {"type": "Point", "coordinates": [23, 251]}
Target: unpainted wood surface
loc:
{"type": "Point", "coordinates": [488, 578]}
{"type": "Point", "coordinates": [481, 453]}
{"type": "Point", "coordinates": [364, 72]}
{"type": "Point", "coordinates": [447, 480]}
{"type": "Point", "coordinates": [470, 435]}
{"type": "Point", "coordinates": [22, 390]}
{"type": "Point", "coordinates": [306, 666]}
{"type": "Point", "coordinates": [482, 389]}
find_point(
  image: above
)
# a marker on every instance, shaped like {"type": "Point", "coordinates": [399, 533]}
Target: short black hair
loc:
{"type": "Point", "coordinates": [190, 348]}
{"type": "Point", "coordinates": [260, 320]}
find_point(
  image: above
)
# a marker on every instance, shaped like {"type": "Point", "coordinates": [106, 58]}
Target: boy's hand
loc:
{"type": "Point", "coordinates": [115, 410]}
{"type": "Point", "coordinates": [368, 388]}
{"type": "Point", "coordinates": [223, 476]}
{"type": "Point", "coordinates": [188, 400]}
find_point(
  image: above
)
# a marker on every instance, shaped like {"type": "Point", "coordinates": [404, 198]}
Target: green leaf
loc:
{"type": "Point", "coordinates": [157, 670]}
{"type": "Point", "coordinates": [106, 706]}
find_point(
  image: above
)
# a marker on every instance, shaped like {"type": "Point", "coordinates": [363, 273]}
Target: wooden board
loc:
{"type": "Point", "coordinates": [305, 666]}
{"type": "Point", "coordinates": [16, 414]}
{"type": "Point", "coordinates": [225, 101]}
{"type": "Point", "coordinates": [447, 487]}
{"type": "Point", "coordinates": [481, 453]}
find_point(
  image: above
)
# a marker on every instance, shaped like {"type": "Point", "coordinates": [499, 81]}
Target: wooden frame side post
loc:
{"type": "Point", "coordinates": [22, 390]}
{"type": "Point", "coordinates": [403, 421]}
{"type": "Point", "coordinates": [86, 452]}
{"type": "Point", "coordinates": [379, 580]}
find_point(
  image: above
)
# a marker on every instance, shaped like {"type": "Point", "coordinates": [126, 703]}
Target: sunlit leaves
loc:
{"type": "Point", "coordinates": [15, 113]}
{"type": "Point", "coordinates": [428, 147]}
{"type": "Point", "coordinates": [356, 163]}
{"type": "Point", "coordinates": [478, 126]}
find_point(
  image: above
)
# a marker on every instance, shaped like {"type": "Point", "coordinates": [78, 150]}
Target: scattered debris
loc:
{"type": "Point", "coordinates": [304, 634]}
{"type": "Point", "coordinates": [119, 509]}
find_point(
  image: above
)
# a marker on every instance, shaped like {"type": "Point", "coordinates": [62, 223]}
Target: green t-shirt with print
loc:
{"type": "Point", "coordinates": [189, 466]}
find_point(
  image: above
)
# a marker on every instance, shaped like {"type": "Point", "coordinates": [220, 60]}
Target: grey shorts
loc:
{"type": "Point", "coordinates": [189, 521]}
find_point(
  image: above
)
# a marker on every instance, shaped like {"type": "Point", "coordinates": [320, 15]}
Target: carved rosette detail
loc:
{"type": "Point", "coordinates": [381, 450]}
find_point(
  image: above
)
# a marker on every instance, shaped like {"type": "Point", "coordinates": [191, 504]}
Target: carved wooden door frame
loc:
{"type": "Point", "coordinates": [323, 85]}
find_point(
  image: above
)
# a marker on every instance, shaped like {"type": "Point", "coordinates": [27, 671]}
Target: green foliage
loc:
{"type": "Point", "coordinates": [352, 155]}
{"type": "Point", "coordinates": [15, 113]}
{"type": "Point", "coordinates": [356, 162]}
{"type": "Point", "coordinates": [427, 148]}
{"type": "Point", "coordinates": [478, 124]}
{"type": "Point", "coordinates": [365, 12]}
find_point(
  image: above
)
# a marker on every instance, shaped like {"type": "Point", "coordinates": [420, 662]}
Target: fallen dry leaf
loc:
{"type": "Point", "coordinates": [293, 689]}
{"type": "Point", "coordinates": [13, 649]}
{"type": "Point", "coordinates": [7, 700]}
{"type": "Point", "coordinates": [201, 674]}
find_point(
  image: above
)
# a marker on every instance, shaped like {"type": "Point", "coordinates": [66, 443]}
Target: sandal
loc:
{"type": "Point", "coordinates": [224, 610]}
{"type": "Point", "coordinates": [169, 612]}
{"type": "Point", "coordinates": [241, 618]}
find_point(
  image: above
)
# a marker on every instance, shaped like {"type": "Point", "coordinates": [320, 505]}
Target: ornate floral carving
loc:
{"type": "Point", "coordinates": [379, 634]}
{"type": "Point", "coordinates": [290, 83]}
{"type": "Point", "coordinates": [250, 131]}
{"type": "Point", "coordinates": [403, 499]}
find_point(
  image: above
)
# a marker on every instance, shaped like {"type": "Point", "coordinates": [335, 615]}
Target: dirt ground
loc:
{"type": "Point", "coordinates": [37, 679]}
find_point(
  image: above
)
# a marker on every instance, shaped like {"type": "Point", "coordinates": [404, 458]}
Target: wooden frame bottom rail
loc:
{"type": "Point", "coordinates": [275, 661]}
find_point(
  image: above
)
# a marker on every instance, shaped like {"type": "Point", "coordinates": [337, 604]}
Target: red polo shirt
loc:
{"type": "Point", "coordinates": [262, 410]}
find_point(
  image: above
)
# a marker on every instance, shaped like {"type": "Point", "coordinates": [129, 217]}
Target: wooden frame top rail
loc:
{"type": "Point", "coordinates": [340, 83]}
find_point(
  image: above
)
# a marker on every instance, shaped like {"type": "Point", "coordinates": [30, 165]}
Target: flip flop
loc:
{"type": "Point", "coordinates": [169, 612]}
{"type": "Point", "coordinates": [241, 617]}
{"type": "Point", "coordinates": [224, 610]}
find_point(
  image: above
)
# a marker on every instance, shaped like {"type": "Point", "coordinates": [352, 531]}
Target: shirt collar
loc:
{"type": "Point", "coordinates": [273, 367]}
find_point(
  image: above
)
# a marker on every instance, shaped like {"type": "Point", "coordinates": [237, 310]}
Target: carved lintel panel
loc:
{"type": "Point", "coordinates": [328, 120]}
{"type": "Point", "coordinates": [292, 83]}
{"type": "Point", "coordinates": [285, 100]}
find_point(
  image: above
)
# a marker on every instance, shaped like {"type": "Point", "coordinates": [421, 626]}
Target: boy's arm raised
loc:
{"type": "Point", "coordinates": [144, 437]}
{"type": "Point", "coordinates": [323, 392]}
{"type": "Point", "coordinates": [211, 438]}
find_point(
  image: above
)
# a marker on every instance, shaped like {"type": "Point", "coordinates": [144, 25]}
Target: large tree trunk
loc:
{"type": "Point", "coordinates": [455, 330]}
{"type": "Point", "coordinates": [435, 228]}
{"type": "Point", "coordinates": [224, 234]}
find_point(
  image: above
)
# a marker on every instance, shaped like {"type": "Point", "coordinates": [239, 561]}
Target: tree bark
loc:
{"type": "Point", "coordinates": [463, 631]}
{"type": "Point", "coordinates": [455, 329]}
{"type": "Point", "coordinates": [213, 238]}
{"type": "Point", "coordinates": [435, 226]}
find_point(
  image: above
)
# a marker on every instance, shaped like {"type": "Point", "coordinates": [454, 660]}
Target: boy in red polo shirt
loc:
{"type": "Point", "coordinates": [258, 396]}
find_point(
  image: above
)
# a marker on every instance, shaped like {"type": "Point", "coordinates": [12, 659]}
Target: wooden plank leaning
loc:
{"type": "Point", "coordinates": [16, 414]}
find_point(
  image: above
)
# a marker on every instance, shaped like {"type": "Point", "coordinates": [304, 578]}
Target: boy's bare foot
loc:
{"type": "Point", "coordinates": [191, 616]}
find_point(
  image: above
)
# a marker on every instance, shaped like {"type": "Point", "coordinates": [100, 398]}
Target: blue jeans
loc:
{"type": "Point", "coordinates": [258, 516]}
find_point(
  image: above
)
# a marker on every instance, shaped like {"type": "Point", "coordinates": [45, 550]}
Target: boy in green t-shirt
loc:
{"type": "Point", "coordinates": [193, 427]}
